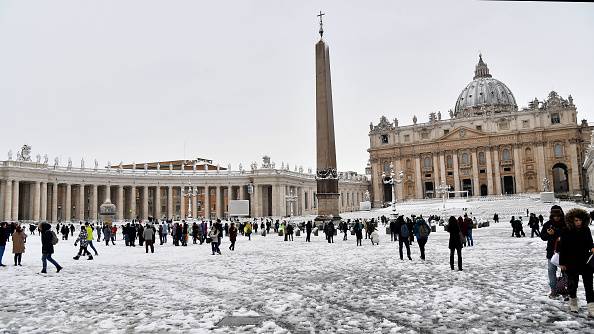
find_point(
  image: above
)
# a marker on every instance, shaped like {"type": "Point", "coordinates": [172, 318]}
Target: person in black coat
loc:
{"type": "Point", "coordinates": [574, 251]}
{"type": "Point", "coordinates": [403, 236]}
{"type": "Point", "coordinates": [393, 230]}
{"type": "Point", "coordinates": [551, 231]}
{"type": "Point", "coordinates": [47, 248]}
{"type": "Point", "coordinates": [308, 228]}
{"type": "Point", "coordinates": [455, 243]}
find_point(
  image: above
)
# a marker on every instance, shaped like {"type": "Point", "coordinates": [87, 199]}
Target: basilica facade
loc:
{"type": "Point", "coordinates": [41, 191]}
{"type": "Point", "coordinates": [487, 146]}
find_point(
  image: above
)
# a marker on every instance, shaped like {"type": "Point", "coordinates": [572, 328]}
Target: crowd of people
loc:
{"type": "Point", "coordinates": [569, 240]}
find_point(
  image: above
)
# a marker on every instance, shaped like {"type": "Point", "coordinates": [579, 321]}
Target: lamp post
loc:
{"type": "Point", "coordinates": [391, 180]}
{"type": "Point", "coordinates": [291, 198]}
{"type": "Point", "coordinates": [443, 189]}
{"type": "Point", "coordinates": [190, 194]}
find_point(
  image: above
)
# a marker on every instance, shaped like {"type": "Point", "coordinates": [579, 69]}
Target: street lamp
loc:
{"type": "Point", "coordinates": [391, 180]}
{"type": "Point", "coordinates": [443, 189]}
{"type": "Point", "coordinates": [291, 198]}
{"type": "Point", "coordinates": [191, 193]}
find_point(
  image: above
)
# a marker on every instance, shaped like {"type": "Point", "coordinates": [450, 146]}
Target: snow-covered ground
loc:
{"type": "Point", "coordinates": [296, 287]}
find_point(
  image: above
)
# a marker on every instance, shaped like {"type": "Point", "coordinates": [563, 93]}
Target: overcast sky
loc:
{"type": "Point", "coordinates": [234, 80]}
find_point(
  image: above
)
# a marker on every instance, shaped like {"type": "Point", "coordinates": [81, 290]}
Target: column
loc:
{"type": "Point", "coordinates": [254, 206]}
{"type": "Point", "coordinates": [119, 204]}
{"type": "Point", "coordinates": [15, 200]}
{"type": "Point", "coordinates": [302, 200]}
{"type": "Point", "coordinates": [456, 172]}
{"type": "Point", "coordinates": [158, 202]}
{"type": "Point", "coordinates": [476, 189]}
{"type": "Point", "coordinates": [490, 189]}
{"type": "Point", "coordinates": [219, 201]}
{"type": "Point", "coordinates": [8, 200]}
{"type": "Point", "coordinates": [575, 168]}
{"type": "Point", "coordinates": [169, 202]}
{"type": "Point", "coordinates": [145, 196]}
{"type": "Point", "coordinates": [206, 202]}
{"type": "Point", "coordinates": [107, 193]}
{"type": "Point", "coordinates": [399, 187]}
{"type": "Point", "coordinates": [80, 206]}
{"type": "Point", "coordinates": [55, 202]}
{"type": "Point", "coordinates": [497, 171]}
{"type": "Point", "coordinates": [518, 169]}
{"type": "Point", "coordinates": [94, 203]}
{"type": "Point", "coordinates": [68, 204]}
{"type": "Point", "coordinates": [376, 178]}
{"type": "Point", "coordinates": [36, 200]}
{"type": "Point", "coordinates": [182, 202]}
{"type": "Point", "coordinates": [418, 178]}
{"type": "Point", "coordinates": [133, 202]}
{"type": "Point", "coordinates": [276, 200]}
{"type": "Point", "coordinates": [242, 192]}
{"type": "Point", "coordinates": [44, 201]}
{"type": "Point", "coordinates": [540, 166]}
{"type": "Point", "coordinates": [442, 167]}
{"type": "Point", "coordinates": [435, 172]}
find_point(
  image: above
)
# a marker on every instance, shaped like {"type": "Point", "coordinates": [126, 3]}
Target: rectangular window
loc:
{"type": "Point", "coordinates": [445, 132]}
{"type": "Point", "coordinates": [406, 138]}
{"type": "Point", "coordinates": [424, 135]}
{"type": "Point", "coordinates": [507, 169]}
{"type": "Point", "coordinates": [555, 118]}
{"type": "Point", "coordinates": [384, 139]}
{"type": "Point", "coordinates": [450, 173]}
{"type": "Point", "coordinates": [428, 175]}
{"type": "Point", "coordinates": [503, 126]}
{"type": "Point", "coordinates": [483, 171]}
{"type": "Point", "coordinates": [479, 127]}
{"type": "Point", "coordinates": [525, 124]}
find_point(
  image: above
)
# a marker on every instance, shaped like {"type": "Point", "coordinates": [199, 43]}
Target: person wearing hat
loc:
{"type": "Point", "coordinates": [575, 249]}
{"type": "Point", "coordinates": [551, 231]}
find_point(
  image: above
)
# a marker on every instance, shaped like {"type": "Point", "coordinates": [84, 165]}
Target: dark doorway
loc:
{"type": "Point", "coordinates": [508, 185]}
{"type": "Point", "coordinates": [560, 178]}
{"type": "Point", "coordinates": [429, 191]}
{"type": "Point", "coordinates": [387, 193]}
{"type": "Point", "coordinates": [467, 186]}
{"type": "Point", "coordinates": [484, 190]}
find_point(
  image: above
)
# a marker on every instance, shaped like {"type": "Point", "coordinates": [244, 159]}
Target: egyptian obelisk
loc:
{"type": "Point", "coordinates": [326, 175]}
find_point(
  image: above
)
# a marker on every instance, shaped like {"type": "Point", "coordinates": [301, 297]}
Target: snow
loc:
{"type": "Point", "coordinates": [298, 287]}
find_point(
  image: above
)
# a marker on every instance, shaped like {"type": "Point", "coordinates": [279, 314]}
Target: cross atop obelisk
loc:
{"type": "Point", "coordinates": [321, 24]}
{"type": "Point", "coordinates": [326, 175]}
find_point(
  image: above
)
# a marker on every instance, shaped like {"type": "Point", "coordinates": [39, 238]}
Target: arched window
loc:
{"type": "Point", "coordinates": [408, 163]}
{"type": "Point", "coordinates": [482, 159]}
{"type": "Point", "coordinates": [528, 153]}
{"type": "Point", "coordinates": [465, 159]}
{"type": "Point", "coordinates": [558, 150]}
{"type": "Point", "coordinates": [506, 155]}
{"type": "Point", "coordinates": [386, 167]}
{"type": "Point", "coordinates": [427, 162]}
{"type": "Point", "coordinates": [450, 161]}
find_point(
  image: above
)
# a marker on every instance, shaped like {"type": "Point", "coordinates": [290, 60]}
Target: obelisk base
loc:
{"type": "Point", "coordinates": [327, 207]}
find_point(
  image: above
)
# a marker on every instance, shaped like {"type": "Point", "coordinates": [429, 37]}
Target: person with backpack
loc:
{"type": "Point", "coordinates": [403, 237]}
{"type": "Point", "coordinates": [48, 240]}
{"type": "Point", "coordinates": [422, 231]}
{"type": "Point", "coordinates": [455, 242]}
{"type": "Point", "coordinates": [551, 232]}
{"type": "Point", "coordinates": [84, 241]}
{"type": "Point", "coordinates": [575, 250]}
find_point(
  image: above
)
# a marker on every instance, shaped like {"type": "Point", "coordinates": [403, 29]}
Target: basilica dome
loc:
{"type": "Point", "coordinates": [484, 94]}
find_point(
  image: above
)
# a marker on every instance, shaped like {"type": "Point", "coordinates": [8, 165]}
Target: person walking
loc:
{"type": "Point", "coordinates": [107, 234]}
{"type": "Point", "coordinates": [551, 232]}
{"type": "Point", "coordinates": [534, 225]}
{"type": "Point", "coordinates": [99, 231]}
{"type": "Point", "coordinates": [574, 251]}
{"type": "Point", "coordinates": [496, 218]}
{"type": "Point", "coordinates": [455, 242]}
{"type": "Point", "coordinates": [3, 239]}
{"type": "Point", "coordinates": [422, 231]}
{"type": "Point", "coordinates": [90, 237]}
{"type": "Point", "coordinates": [214, 236]}
{"type": "Point", "coordinates": [290, 231]}
{"type": "Point", "coordinates": [393, 231]}
{"type": "Point", "coordinates": [232, 236]}
{"type": "Point", "coordinates": [247, 230]}
{"type": "Point", "coordinates": [308, 228]}
{"type": "Point", "coordinates": [358, 232]}
{"type": "Point", "coordinates": [114, 232]}
{"type": "Point", "coordinates": [83, 239]}
{"type": "Point", "coordinates": [148, 234]}
{"type": "Point", "coordinates": [48, 240]}
{"type": "Point", "coordinates": [165, 231]}
{"type": "Point", "coordinates": [329, 230]}
{"type": "Point", "coordinates": [18, 244]}
{"type": "Point", "coordinates": [403, 237]}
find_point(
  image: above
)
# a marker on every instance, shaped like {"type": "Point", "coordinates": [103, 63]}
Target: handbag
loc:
{"type": "Point", "coordinates": [555, 259]}
{"type": "Point", "coordinates": [561, 287]}
{"type": "Point", "coordinates": [208, 240]}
